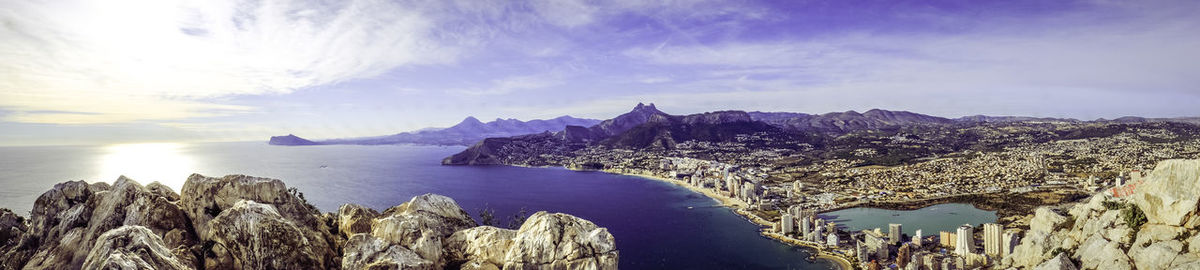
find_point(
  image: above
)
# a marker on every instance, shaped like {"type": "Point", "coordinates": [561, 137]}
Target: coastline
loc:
{"type": "Point", "coordinates": [737, 206]}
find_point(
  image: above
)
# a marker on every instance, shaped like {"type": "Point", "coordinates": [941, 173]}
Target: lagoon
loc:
{"type": "Point", "coordinates": [930, 220]}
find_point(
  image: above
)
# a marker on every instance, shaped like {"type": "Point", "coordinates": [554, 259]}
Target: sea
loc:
{"type": "Point", "coordinates": [656, 225]}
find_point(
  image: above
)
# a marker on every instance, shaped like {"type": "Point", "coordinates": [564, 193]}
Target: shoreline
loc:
{"type": "Point", "coordinates": [736, 206]}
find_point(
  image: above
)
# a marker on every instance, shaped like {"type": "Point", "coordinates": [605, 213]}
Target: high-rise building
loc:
{"type": "Point", "coordinates": [948, 239]}
{"type": "Point", "coordinates": [818, 234]}
{"type": "Point", "coordinates": [861, 251]}
{"type": "Point", "coordinates": [916, 239]}
{"type": "Point", "coordinates": [876, 244]}
{"type": "Point", "coordinates": [992, 239]}
{"type": "Point", "coordinates": [966, 240]}
{"type": "Point", "coordinates": [903, 255]}
{"type": "Point", "coordinates": [805, 227]}
{"type": "Point", "coordinates": [1010, 241]}
{"type": "Point", "coordinates": [894, 233]}
{"type": "Point", "coordinates": [831, 240]}
{"type": "Point", "coordinates": [786, 224]}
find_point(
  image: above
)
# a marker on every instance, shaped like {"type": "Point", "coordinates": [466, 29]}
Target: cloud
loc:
{"type": "Point", "coordinates": [511, 84]}
{"type": "Point", "coordinates": [180, 52]}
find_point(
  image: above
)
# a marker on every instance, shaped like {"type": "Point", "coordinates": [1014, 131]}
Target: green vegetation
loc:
{"type": "Point", "coordinates": [1134, 217]}
{"type": "Point", "coordinates": [487, 216]}
{"type": "Point", "coordinates": [1111, 205]}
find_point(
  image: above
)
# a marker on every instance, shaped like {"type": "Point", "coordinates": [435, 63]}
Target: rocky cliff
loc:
{"type": "Point", "coordinates": [1156, 228]}
{"type": "Point", "coordinates": [243, 222]}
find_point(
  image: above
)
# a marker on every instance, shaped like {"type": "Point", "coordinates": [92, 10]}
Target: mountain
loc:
{"type": "Point", "coordinates": [469, 131]}
{"type": "Point", "coordinates": [643, 127]}
{"type": "Point", "coordinates": [841, 122]}
{"type": "Point", "coordinates": [1008, 119]}
{"type": "Point", "coordinates": [290, 140]}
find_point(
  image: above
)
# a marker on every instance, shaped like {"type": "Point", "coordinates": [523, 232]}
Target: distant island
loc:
{"type": "Point", "coordinates": [467, 132]}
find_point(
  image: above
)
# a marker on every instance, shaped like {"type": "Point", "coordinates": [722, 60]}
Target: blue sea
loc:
{"type": "Point", "coordinates": [656, 225]}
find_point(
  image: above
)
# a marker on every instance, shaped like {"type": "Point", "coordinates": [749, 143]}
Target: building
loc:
{"type": "Point", "coordinates": [831, 240]}
{"type": "Point", "coordinates": [916, 239]}
{"type": "Point", "coordinates": [903, 255]}
{"type": "Point", "coordinates": [786, 224]}
{"type": "Point", "coordinates": [805, 227]}
{"type": "Point", "coordinates": [894, 232]}
{"type": "Point", "coordinates": [966, 240]}
{"type": "Point", "coordinates": [993, 239]}
{"type": "Point", "coordinates": [818, 234]}
{"type": "Point", "coordinates": [1011, 240]}
{"type": "Point", "coordinates": [876, 244]}
{"type": "Point", "coordinates": [860, 250]}
{"type": "Point", "coordinates": [948, 239]}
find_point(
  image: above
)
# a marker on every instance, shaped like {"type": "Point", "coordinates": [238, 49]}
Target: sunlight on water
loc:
{"type": "Point", "coordinates": [146, 163]}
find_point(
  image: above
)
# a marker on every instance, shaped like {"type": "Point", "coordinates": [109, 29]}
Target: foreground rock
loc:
{"type": "Point", "coordinates": [545, 241]}
{"type": "Point", "coordinates": [1098, 234]}
{"type": "Point", "coordinates": [131, 247]}
{"type": "Point", "coordinates": [243, 222]}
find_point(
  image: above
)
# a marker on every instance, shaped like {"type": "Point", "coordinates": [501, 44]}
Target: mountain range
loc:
{"type": "Point", "coordinates": [647, 128]}
{"type": "Point", "coordinates": [467, 132]}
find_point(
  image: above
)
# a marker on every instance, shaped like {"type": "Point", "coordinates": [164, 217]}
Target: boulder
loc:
{"type": "Point", "coordinates": [421, 225]}
{"type": "Point", "coordinates": [1046, 220]}
{"type": "Point", "coordinates": [480, 247]}
{"type": "Point", "coordinates": [1170, 193]}
{"type": "Point", "coordinates": [1059, 262]}
{"type": "Point", "coordinates": [75, 214]}
{"type": "Point", "coordinates": [363, 251]}
{"type": "Point", "coordinates": [353, 219]}
{"type": "Point", "coordinates": [162, 190]}
{"type": "Point", "coordinates": [1159, 255]}
{"type": "Point", "coordinates": [12, 227]}
{"type": "Point", "coordinates": [1098, 253]}
{"type": "Point", "coordinates": [251, 235]}
{"type": "Point", "coordinates": [561, 241]}
{"type": "Point", "coordinates": [131, 247]}
{"type": "Point", "coordinates": [204, 198]}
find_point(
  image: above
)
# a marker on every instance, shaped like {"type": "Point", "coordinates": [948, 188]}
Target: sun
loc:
{"type": "Point", "coordinates": [166, 163]}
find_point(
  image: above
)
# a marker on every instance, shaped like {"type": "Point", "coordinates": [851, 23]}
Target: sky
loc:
{"type": "Point", "coordinates": [122, 71]}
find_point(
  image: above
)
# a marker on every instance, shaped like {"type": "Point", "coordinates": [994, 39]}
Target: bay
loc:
{"type": "Point", "coordinates": [656, 225]}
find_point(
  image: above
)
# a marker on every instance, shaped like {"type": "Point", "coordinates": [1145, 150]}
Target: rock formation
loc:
{"type": "Point", "coordinates": [243, 222]}
{"type": "Point", "coordinates": [1113, 233]}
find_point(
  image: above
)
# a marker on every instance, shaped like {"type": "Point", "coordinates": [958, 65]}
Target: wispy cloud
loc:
{"type": "Point", "coordinates": [138, 53]}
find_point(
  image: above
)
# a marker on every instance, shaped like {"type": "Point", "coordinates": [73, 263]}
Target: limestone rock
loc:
{"type": "Point", "coordinates": [1158, 255]}
{"type": "Point", "coordinates": [204, 198]}
{"type": "Point", "coordinates": [75, 214]}
{"type": "Point", "coordinates": [1046, 220]}
{"type": "Point", "coordinates": [1156, 233]}
{"type": "Point", "coordinates": [1059, 262]}
{"type": "Point", "coordinates": [252, 235]}
{"type": "Point", "coordinates": [421, 225]}
{"type": "Point", "coordinates": [480, 246]}
{"type": "Point", "coordinates": [131, 247]}
{"type": "Point", "coordinates": [353, 219]}
{"type": "Point", "coordinates": [1098, 253]}
{"type": "Point", "coordinates": [12, 227]}
{"type": "Point", "coordinates": [561, 241]}
{"type": "Point", "coordinates": [364, 251]}
{"type": "Point", "coordinates": [162, 190]}
{"type": "Point", "coordinates": [1170, 193]}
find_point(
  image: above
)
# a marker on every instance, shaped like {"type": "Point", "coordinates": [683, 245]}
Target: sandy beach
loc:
{"type": "Point", "coordinates": [736, 205]}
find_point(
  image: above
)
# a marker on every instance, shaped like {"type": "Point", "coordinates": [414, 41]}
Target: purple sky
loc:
{"type": "Point", "coordinates": [89, 73]}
